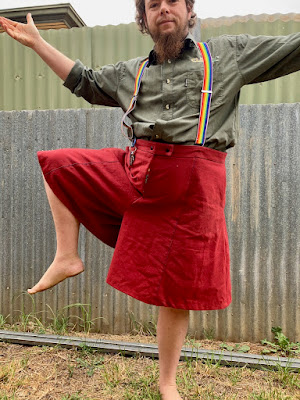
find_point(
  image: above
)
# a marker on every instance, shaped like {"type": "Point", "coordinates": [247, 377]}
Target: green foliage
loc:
{"type": "Point", "coordinates": [273, 394]}
{"type": "Point", "coordinates": [209, 333]}
{"type": "Point", "coordinates": [86, 321]}
{"type": "Point", "coordinates": [148, 328]}
{"type": "Point", "coordinates": [281, 344]}
{"type": "Point", "coordinates": [237, 347]}
{"type": "Point", "coordinates": [3, 321]}
{"type": "Point", "coordinates": [287, 377]}
{"type": "Point", "coordinates": [60, 322]}
{"type": "Point", "coordinates": [89, 360]}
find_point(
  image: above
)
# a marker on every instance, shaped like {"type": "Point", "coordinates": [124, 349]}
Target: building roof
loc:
{"type": "Point", "coordinates": [55, 16]}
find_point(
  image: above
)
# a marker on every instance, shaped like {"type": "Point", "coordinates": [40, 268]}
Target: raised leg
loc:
{"type": "Point", "coordinates": [67, 262]}
{"type": "Point", "coordinates": [171, 331]}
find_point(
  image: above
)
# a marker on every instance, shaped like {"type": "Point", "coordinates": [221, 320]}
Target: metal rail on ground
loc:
{"type": "Point", "coordinates": [227, 358]}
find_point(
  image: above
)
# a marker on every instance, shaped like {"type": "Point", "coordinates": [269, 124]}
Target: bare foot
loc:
{"type": "Point", "coordinates": [59, 270]}
{"type": "Point", "coordinates": [170, 393]}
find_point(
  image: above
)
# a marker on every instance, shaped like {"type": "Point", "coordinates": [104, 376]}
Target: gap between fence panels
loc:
{"type": "Point", "coordinates": [225, 358]}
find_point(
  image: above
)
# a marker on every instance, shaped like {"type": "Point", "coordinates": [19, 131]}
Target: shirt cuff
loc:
{"type": "Point", "coordinates": [74, 76]}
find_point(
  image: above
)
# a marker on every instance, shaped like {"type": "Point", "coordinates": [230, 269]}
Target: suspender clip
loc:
{"type": "Point", "coordinates": [133, 141]}
{"type": "Point", "coordinates": [133, 150]}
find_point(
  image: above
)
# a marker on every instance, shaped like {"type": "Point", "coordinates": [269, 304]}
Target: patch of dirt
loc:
{"type": "Point", "coordinates": [50, 373]}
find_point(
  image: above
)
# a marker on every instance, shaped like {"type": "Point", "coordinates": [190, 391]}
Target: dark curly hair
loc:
{"type": "Point", "coordinates": [140, 11]}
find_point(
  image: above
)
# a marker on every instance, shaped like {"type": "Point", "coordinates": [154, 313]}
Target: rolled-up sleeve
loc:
{"type": "Point", "coordinates": [262, 58]}
{"type": "Point", "coordinates": [96, 87]}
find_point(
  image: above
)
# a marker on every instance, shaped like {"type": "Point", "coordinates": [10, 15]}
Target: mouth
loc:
{"type": "Point", "coordinates": [164, 22]}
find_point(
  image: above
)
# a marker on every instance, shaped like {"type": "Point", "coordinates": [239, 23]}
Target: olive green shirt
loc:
{"type": "Point", "coordinates": [169, 99]}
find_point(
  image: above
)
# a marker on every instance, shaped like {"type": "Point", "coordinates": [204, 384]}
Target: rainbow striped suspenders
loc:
{"type": "Point", "coordinates": [132, 104]}
{"type": "Point", "coordinates": [206, 94]}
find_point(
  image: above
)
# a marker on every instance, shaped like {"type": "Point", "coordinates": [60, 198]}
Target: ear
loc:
{"type": "Point", "coordinates": [189, 10]}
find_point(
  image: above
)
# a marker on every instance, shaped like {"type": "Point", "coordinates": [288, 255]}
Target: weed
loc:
{"type": "Point", "coordinates": [209, 333]}
{"type": "Point", "coordinates": [3, 321]}
{"type": "Point", "coordinates": [4, 375]}
{"type": "Point", "coordinates": [86, 321]}
{"type": "Point", "coordinates": [29, 322]}
{"type": "Point", "coordinates": [89, 360]}
{"type": "Point", "coordinates": [145, 394]}
{"type": "Point", "coordinates": [286, 377]}
{"type": "Point", "coordinates": [60, 322]}
{"type": "Point", "coordinates": [192, 342]}
{"type": "Point", "coordinates": [143, 386]}
{"type": "Point", "coordinates": [272, 395]}
{"type": "Point", "coordinates": [24, 361]}
{"type": "Point", "coordinates": [235, 375]}
{"type": "Point", "coordinates": [212, 361]}
{"type": "Point", "coordinates": [281, 344]}
{"type": "Point", "coordinates": [148, 328]}
{"type": "Point", "coordinates": [85, 364]}
{"type": "Point", "coordinates": [5, 397]}
{"type": "Point", "coordinates": [237, 347]}
{"type": "Point", "coordinates": [87, 349]}
{"type": "Point", "coordinates": [71, 368]}
{"type": "Point", "coordinates": [111, 377]}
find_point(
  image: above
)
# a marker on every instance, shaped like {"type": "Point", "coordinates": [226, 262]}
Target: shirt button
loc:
{"type": "Point", "coordinates": [167, 106]}
{"type": "Point", "coordinates": [168, 81]}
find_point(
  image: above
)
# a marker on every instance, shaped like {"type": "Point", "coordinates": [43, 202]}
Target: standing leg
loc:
{"type": "Point", "coordinates": [67, 262]}
{"type": "Point", "coordinates": [171, 331]}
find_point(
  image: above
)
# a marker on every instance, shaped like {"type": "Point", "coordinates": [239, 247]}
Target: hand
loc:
{"type": "Point", "coordinates": [26, 34]}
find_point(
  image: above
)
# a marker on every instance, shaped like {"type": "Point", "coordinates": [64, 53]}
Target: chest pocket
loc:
{"type": "Point", "coordinates": [194, 81]}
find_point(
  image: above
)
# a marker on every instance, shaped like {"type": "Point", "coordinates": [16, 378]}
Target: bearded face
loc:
{"type": "Point", "coordinates": [167, 22]}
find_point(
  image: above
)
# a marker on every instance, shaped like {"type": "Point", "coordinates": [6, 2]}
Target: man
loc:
{"type": "Point", "coordinates": [161, 202]}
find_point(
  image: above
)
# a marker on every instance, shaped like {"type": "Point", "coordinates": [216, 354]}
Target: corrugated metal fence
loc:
{"type": "Point", "coordinates": [26, 83]}
{"type": "Point", "coordinates": [262, 211]}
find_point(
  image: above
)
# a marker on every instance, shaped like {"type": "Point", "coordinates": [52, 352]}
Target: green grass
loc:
{"type": "Point", "coordinates": [89, 374]}
{"type": "Point", "coordinates": [86, 374]}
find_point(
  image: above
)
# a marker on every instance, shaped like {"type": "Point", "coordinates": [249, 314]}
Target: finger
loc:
{"type": "Point", "coordinates": [4, 26]}
{"type": "Point", "coordinates": [29, 19]}
{"type": "Point", "coordinates": [9, 21]}
{"type": "Point", "coordinates": [8, 29]}
{"type": "Point", "coordinates": [11, 32]}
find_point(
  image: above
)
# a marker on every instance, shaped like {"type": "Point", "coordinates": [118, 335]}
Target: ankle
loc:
{"type": "Point", "coordinates": [66, 256]}
{"type": "Point", "coordinates": [166, 386]}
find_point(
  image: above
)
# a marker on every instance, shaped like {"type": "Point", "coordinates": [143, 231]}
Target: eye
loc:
{"type": "Point", "coordinates": [153, 5]}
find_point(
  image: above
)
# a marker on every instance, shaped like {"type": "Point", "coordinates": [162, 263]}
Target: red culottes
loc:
{"type": "Point", "coordinates": [164, 214]}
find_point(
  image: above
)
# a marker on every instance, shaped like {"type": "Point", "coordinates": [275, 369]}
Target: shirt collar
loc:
{"type": "Point", "coordinates": [189, 42]}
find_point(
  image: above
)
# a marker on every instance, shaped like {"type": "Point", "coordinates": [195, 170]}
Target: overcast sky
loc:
{"type": "Point", "coordinates": [105, 12]}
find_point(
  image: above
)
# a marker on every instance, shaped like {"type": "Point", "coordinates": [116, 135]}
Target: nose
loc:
{"type": "Point", "coordinates": [164, 8]}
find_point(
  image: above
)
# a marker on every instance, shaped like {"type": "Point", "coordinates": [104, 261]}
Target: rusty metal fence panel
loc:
{"type": "Point", "coordinates": [262, 211]}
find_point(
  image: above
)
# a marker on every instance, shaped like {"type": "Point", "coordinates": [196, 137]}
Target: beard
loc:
{"type": "Point", "coordinates": [169, 45]}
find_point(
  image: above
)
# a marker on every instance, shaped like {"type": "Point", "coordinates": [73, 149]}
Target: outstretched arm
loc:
{"type": "Point", "coordinates": [28, 35]}
{"type": "Point", "coordinates": [261, 58]}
